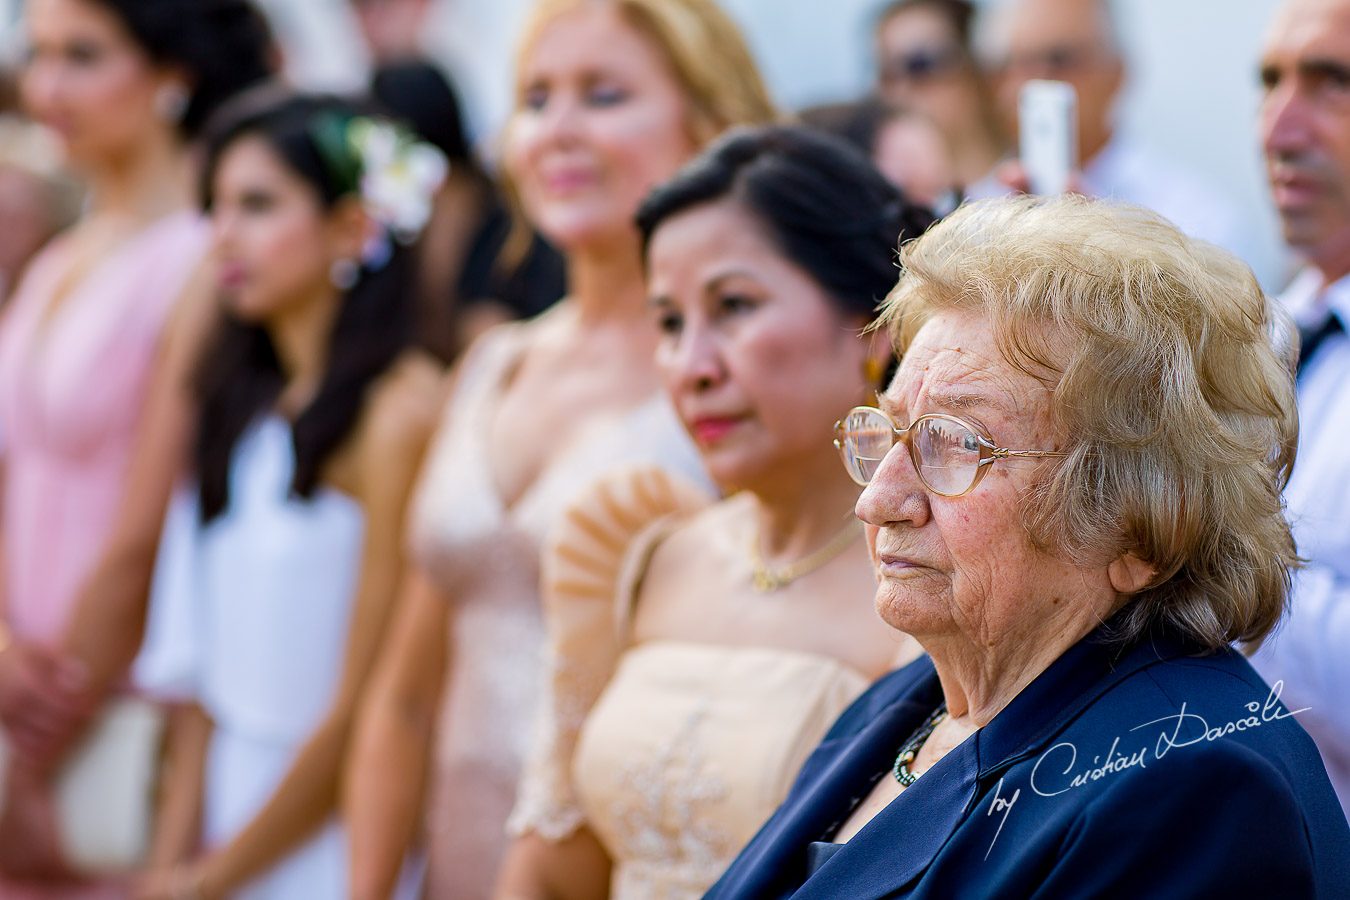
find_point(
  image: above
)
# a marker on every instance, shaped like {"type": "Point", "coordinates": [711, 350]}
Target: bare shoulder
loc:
{"type": "Point", "coordinates": [196, 313]}
{"type": "Point", "coordinates": [516, 338]}
{"type": "Point", "coordinates": [400, 413]}
{"type": "Point", "coordinates": [552, 328]}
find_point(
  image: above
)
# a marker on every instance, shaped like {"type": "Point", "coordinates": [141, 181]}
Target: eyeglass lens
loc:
{"type": "Point", "coordinates": [945, 453]}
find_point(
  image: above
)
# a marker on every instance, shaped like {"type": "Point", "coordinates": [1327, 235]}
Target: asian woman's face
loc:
{"type": "Point", "coordinates": [758, 359]}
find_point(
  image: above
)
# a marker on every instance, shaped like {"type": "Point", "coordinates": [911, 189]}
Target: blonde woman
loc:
{"type": "Point", "coordinates": [745, 627]}
{"type": "Point", "coordinates": [612, 98]}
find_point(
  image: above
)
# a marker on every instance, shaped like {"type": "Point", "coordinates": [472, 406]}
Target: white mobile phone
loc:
{"type": "Point", "coordinates": [1047, 131]}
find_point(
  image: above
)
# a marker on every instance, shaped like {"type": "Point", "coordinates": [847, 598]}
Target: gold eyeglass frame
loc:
{"type": "Point", "coordinates": [989, 451]}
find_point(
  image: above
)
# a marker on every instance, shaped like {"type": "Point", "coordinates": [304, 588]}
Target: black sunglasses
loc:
{"type": "Point", "coordinates": [921, 64]}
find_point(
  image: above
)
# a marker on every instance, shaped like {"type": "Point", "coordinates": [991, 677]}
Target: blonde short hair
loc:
{"type": "Point", "coordinates": [1179, 411]}
{"type": "Point", "coordinates": [704, 48]}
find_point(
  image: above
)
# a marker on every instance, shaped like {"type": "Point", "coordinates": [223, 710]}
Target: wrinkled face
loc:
{"type": "Point", "coordinates": [599, 121]}
{"type": "Point", "coordinates": [89, 81]}
{"type": "Point", "coordinates": [964, 564]}
{"type": "Point", "coordinates": [1305, 128]}
{"type": "Point", "coordinates": [923, 67]}
{"type": "Point", "coordinates": [275, 242]}
{"type": "Point", "coordinates": [757, 359]}
{"type": "Point", "coordinates": [1063, 40]}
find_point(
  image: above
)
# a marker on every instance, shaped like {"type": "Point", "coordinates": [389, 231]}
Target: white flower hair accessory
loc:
{"type": "Point", "coordinates": [395, 174]}
{"type": "Point", "coordinates": [399, 175]}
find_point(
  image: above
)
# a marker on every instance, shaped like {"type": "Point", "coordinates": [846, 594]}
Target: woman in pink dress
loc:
{"type": "Point", "coordinates": [612, 97]}
{"type": "Point", "coordinates": [88, 450]}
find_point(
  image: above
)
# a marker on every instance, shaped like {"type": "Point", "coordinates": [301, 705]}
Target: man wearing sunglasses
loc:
{"type": "Point", "coordinates": [924, 65]}
{"type": "Point", "coordinates": [1076, 42]}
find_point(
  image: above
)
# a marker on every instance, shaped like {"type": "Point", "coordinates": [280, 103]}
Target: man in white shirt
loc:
{"type": "Point", "coordinates": [1305, 132]}
{"type": "Point", "coordinates": [1075, 41]}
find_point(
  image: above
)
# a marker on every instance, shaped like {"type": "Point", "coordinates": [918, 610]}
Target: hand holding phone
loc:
{"type": "Point", "coordinates": [1048, 135]}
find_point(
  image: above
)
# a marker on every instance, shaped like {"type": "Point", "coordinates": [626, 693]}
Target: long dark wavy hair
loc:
{"type": "Point", "coordinates": [240, 377]}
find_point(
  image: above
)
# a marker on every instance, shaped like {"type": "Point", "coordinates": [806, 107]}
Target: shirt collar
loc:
{"type": "Point", "coordinates": [1308, 300]}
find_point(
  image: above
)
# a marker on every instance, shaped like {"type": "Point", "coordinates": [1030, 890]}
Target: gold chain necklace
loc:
{"type": "Point", "coordinates": [766, 579]}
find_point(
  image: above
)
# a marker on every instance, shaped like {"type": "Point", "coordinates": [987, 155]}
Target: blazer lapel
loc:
{"type": "Point", "coordinates": [1050, 703]}
{"type": "Point", "coordinates": [821, 801]}
{"type": "Point", "coordinates": [899, 844]}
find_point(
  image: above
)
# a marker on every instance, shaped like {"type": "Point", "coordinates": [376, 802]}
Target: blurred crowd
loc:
{"type": "Point", "coordinates": [385, 513]}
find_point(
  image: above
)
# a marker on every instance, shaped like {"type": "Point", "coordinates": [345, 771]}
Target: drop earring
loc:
{"type": "Point", "coordinates": [171, 102]}
{"type": "Point", "coordinates": [343, 274]}
{"type": "Point", "coordinates": [873, 369]}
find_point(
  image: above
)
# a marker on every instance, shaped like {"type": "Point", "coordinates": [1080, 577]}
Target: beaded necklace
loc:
{"type": "Point", "coordinates": [910, 750]}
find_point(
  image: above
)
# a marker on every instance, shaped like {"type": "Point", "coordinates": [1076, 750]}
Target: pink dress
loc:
{"type": "Point", "coordinates": [484, 556]}
{"type": "Point", "coordinates": [73, 382]}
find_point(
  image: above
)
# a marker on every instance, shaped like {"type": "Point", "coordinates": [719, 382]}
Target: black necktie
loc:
{"type": "Point", "coordinates": [1309, 339]}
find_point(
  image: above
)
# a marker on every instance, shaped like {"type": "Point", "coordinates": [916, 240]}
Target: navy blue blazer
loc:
{"type": "Point", "coordinates": [1153, 772]}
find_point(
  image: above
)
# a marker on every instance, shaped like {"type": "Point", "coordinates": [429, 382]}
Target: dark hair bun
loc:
{"type": "Point", "coordinates": [223, 45]}
{"type": "Point", "coordinates": [820, 199]}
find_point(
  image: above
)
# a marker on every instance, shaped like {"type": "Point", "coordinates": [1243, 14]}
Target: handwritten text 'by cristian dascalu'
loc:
{"type": "Point", "coordinates": [1057, 771]}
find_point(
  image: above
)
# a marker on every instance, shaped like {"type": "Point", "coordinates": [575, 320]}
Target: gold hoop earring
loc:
{"type": "Point", "coordinates": [873, 369]}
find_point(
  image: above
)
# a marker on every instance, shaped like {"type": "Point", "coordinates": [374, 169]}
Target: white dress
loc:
{"type": "Point", "coordinates": [249, 617]}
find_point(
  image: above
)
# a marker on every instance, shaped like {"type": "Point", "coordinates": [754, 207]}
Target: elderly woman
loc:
{"type": "Point", "coordinates": [1073, 504]}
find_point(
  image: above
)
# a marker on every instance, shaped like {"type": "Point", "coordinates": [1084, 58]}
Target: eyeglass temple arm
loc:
{"type": "Point", "coordinates": [1000, 453]}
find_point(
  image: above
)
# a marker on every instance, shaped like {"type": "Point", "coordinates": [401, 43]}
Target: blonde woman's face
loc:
{"type": "Point", "coordinates": [599, 121]}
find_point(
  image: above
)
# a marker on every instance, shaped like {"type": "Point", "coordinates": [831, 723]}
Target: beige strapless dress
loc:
{"type": "Point", "coordinates": [672, 753]}
{"type": "Point", "coordinates": [484, 556]}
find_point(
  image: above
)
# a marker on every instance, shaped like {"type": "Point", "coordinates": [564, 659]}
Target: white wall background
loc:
{"type": "Point", "coordinates": [1193, 92]}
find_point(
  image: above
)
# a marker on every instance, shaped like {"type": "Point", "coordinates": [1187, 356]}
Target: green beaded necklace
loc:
{"type": "Point", "coordinates": [911, 748]}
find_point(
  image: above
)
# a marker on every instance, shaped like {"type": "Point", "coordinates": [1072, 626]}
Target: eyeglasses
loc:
{"type": "Point", "coordinates": [921, 65]}
{"type": "Point", "coordinates": [949, 455]}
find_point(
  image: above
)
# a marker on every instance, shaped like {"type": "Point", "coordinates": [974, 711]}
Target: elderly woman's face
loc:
{"type": "Point", "coordinates": [965, 564]}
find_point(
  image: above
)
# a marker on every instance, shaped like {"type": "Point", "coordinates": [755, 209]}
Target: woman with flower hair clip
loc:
{"type": "Point", "coordinates": [280, 557]}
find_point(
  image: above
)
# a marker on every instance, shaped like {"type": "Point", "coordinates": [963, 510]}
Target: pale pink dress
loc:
{"type": "Point", "coordinates": [73, 382]}
{"type": "Point", "coordinates": [484, 556]}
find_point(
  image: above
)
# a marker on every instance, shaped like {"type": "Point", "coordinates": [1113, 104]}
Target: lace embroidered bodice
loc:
{"type": "Point", "coordinates": [672, 753]}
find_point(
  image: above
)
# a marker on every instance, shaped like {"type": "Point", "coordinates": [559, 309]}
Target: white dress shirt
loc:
{"type": "Point", "coordinates": [1311, 650]}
